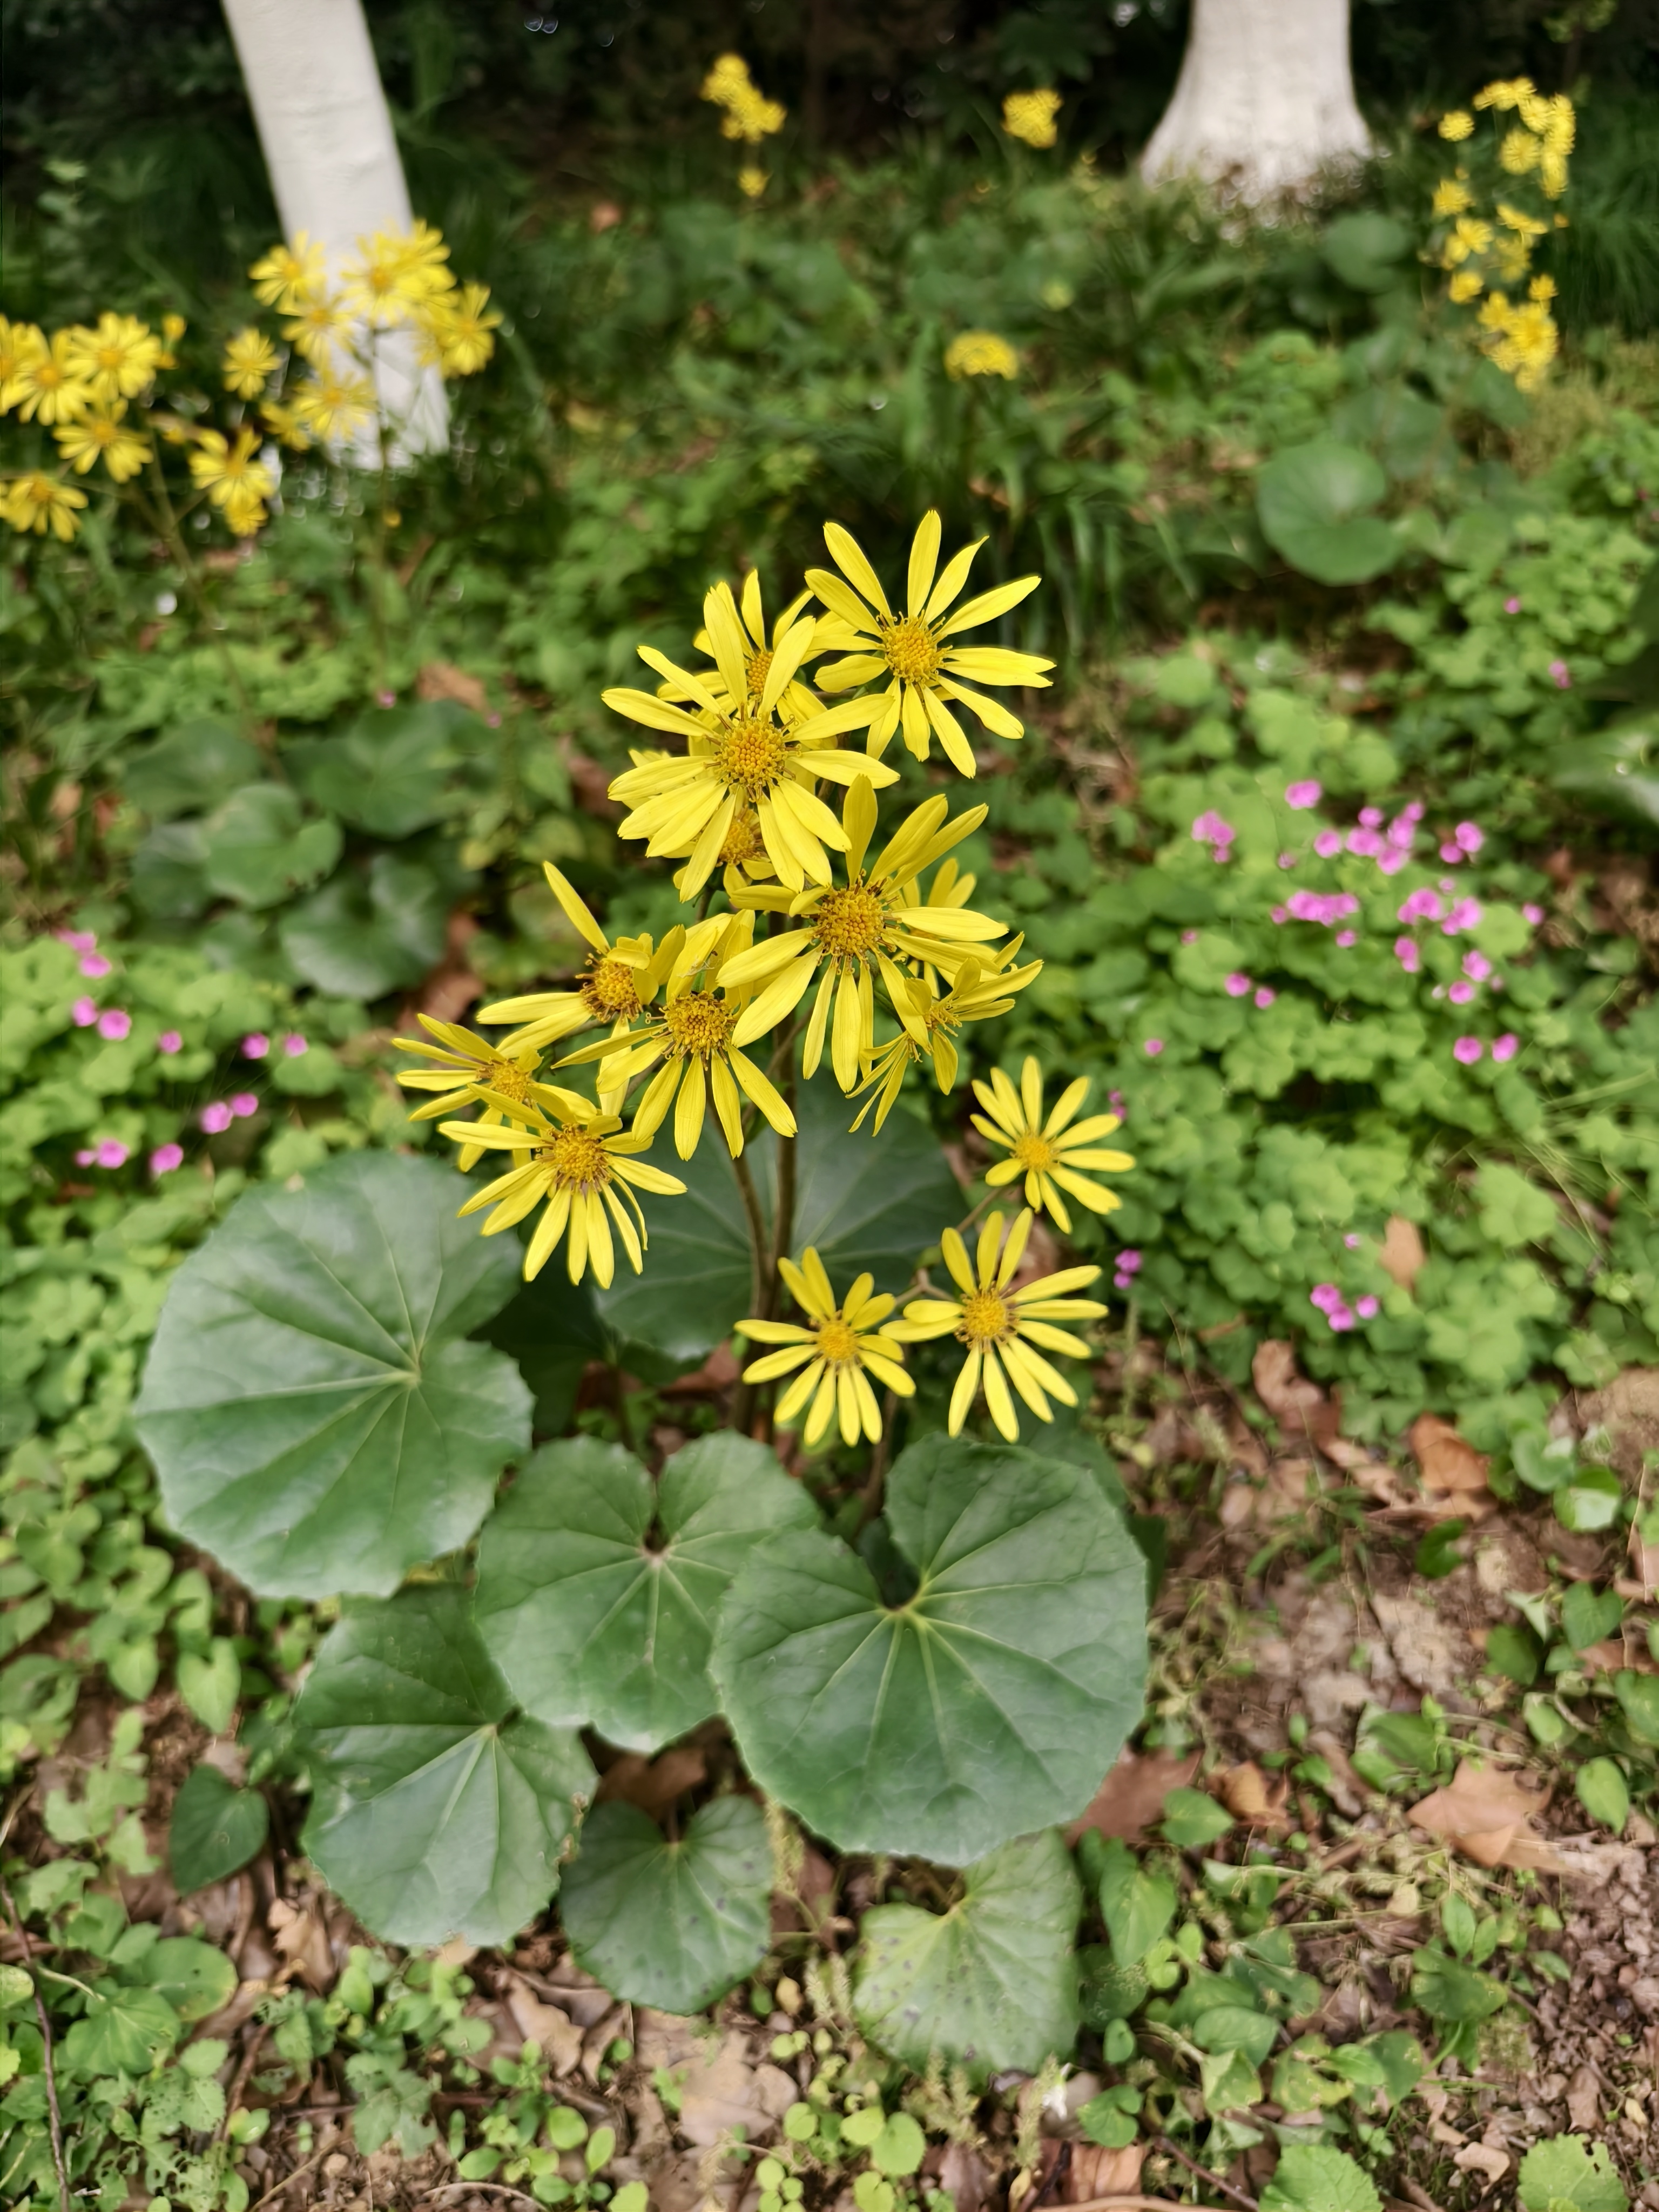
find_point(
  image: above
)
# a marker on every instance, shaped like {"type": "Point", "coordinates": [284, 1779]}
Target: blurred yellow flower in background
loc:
{"type": "Point", "coordinates": [117, 359]}
{"type": "Point", "coordinates": [224, 470]}
{"type": "Point", "coordinates": [103, 437]}
{"type": "Point", "coordinates": [38, 502]}
{"type": "Point", "coordinates": [981, 353]}
{"type": "Point", "coordinates": [249, 359]}
{"type": "Point", "coordinates": [47, 386]}
{"type": "Point", "coordinates": [1030, 115]}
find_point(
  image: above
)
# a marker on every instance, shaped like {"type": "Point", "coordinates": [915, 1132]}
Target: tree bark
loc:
{"type": "Point", "coordinates": [1265, 99]}
{"type": "Point", "coordinates": [326, 133]}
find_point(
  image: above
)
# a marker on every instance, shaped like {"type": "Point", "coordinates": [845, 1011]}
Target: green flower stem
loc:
{"type": "Point", "coordinates": [173, 536]}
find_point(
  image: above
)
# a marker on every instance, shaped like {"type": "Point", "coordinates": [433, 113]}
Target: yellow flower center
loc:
{"type": "Point", "coordinates": [911, 653]}
{"type": "Point", "coordinates": [848, 924]}
{"type": "Point", "coordinates": [759, 664]}
{"type": "Point", "coordinates": [49, 375]}
{"type": "Point", "coordinates": [698, 1023]}
{"type": "Point", "coordinates": [742, 841]}
{"type": "Point", "coordinates": [986, 1318]}
{"type": "Point", "coordinates": [111, 356]}
{"type": "Point", "coordinates": [837, 1342]}
{"type": "Point", "coordinates": [510, 1081]}
{"type": "Point", "coordinates": [749, 757]}
{"type": "Point", "coordinates": [578, 1161]}
{"type": "Point", "coordinates": [1036, 1152]}
{"type": "Point", "coordinates": [609, 989]}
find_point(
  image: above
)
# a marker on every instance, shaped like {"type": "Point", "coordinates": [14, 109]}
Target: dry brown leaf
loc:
{"type": "Point", "coordinates": [1132, 1796]}
{"type": "Point", "coordinates": [441, 679]}
{"type": "Point", "coordinates": [301, 1937]}
{"type": "Point", "coordinates": [1248, 1795]}
{"type": "Point", "coordinates": [1482, 2158]}
{"type": "Point", "coordinates": [558, 2035]}
{"type": "Point", "coordinates": [1347, 1790]}
{"type": "Point", "coordinates": [1096, 2171]}
{"type": "Point", "coordinates": [1629, 1410]}
{"type": "Point", "coordinates": [1487, 1815]}
{"type": "Point", "coordinates": [964, 2177]}
{"type": "Point", "coordinates": [1447, 1463]}
{"type": "Point", "coordinates": [1584, 2099]}
{"type": "Point", "coordinates": [653, 1784]}
{"type": "Point", "coordinates": [1300, 1408]}
{"type": "Point", "coordinates": [1400, 1254]}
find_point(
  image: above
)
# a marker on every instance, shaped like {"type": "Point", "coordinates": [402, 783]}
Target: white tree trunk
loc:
{"type": "Point", "coordinates": [1265, 99]}
{"type": "Point", "coordinates": [328, 143]}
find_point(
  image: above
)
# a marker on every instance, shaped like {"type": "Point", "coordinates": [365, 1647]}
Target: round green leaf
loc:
{"type": "Point", "coordinates": [673, 1925]}
{"type": "Point", "coordinates": [190, 771]}
{"type": "Point", "coordinates": [121, 2032]}
{"type": "Point", "coordinates": [990, 1984]}
{"type": "Point", "coordinates": [256, 847]}
{"type": "Point", "coordinates": [1367, 250]}
{"type": "Point", "coordinates": [195, 1978]}
{"type": "Point", "coordinates": [1603, 1792]}
{"type": "Point", "coordinates": [438, 1812]}
{"type": "Point", "coordinates": [1319, 2178]}
{"type": "Point", "coordinates": [1567, 2169]}
{"type": "Point", "coordinates": [216, 1828]}
{"type": "Point", "coordinates": [1589, 1501]}
{"type": "Point", "coordinates": [863, 1205]}
{"type": "Point", "coordinates": [317, 1422]}
{"type": "Point", "coordinates": [389, 773]}
{"type": "Point", "coordinates": [597, 1588]}
{"type": "Point", "coordinates": [370, 931]}
{"type": "Point", "coordinates": [1314, 504]}
{"type": "Point", "coordinates": [996, 1696]}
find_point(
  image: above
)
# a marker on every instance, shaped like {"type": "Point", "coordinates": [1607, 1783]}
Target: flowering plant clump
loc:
{"type": "Point", "coordinates": [746, 115]}
{"type": "Point", "coordinates": [114, 398]}
{"type": "Point", "coordinates": [1030, 116]}
{"type": "Point", "coordinates": [1487, 227]}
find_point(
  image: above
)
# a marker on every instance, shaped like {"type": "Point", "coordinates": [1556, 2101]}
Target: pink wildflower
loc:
{"type": "Point", "coordinates": [1280, 914]}
{"type": "Point", "coordinates": [1470, 835]}
{"type": "Point", "coordinates": [78, 940]}
{"type": "Point", "coordinates": [216, 1118]}
{"type": "Point", "coordinates": [85, 1159]}
{"type": "Point", "coordinates": [494, 721]}
{"type": "Point", "coordinates": [1303, 794]}
{"type": "Point", "coordinates": [1129, 1260]}
{"type": "Point", "coordinates": [1324, 1296]}
{"type": "Point", "coordinates": [1264, 998]}
{"type": "Point", "coordinates": [1511, 606]}
{"type": "Point", "coordinates": [1504, 1048]}
{"type": "Point", "coordinates": [84, 1012]}
{"type": "Point", "coordinates": [1328, 844]}
{"type": "Point", "coordinates": [169, 1042]}
{"type": "Point", "coordinates": [1340, 1318]}
{"type": "Point", "coordinates": [1476, 967]}
{"type": "Point", "coordinates": [1393, 860]}
{"type": "Point", "coordinates": [1532, 914]}
{"type": "Point", "coordinates": [1460, 993]}
{"type": "Point", "coordinates": [1153, 1046]}
{"type": "Point", "coordinates": [1451, 853]}
{"type": "Point", "coordinates": [243, 1103]}
{"type": "Point", "coordinates": [255, 1046]}
{"type": "Point", "coordinates": [1189, 936]}
{"type": "Point", "coordinates": [165, 1158]}
{"type": "Point", "coordinates": [1352, 1241]}
{"type": "Point", "coordinates": [1370, 818]}
{"type": "Point", "coordinates": [1467, 1050]}
{"type": "Point", "coordinates": [110, 1154]}
{"type": "Point", "coordinates": [385, 698]}
{"type": "Point", "coordinates": [294, 1045]}
{"type": "Point", "coordinates": [1406, 952]}
{"type": "Point", "coordinates": [1366, 841]}
{"type": "Point", "coordinates": [94, 965]}
{"type": "Point", "coordinates": [1344, 938]}
{"type": "Point", "coordinates": [114, 1024]}
{"type": "Point", "coordinates": [1287, 859]}
{"type": "Point", "coordinates": [1563, 678]}
{"type": "Point", "coordinates": [1421, 906]}
{"type": "Point", "coordinates": [1236, 984]}
{"type": "Point", "coordinates": [1465, 915]}
{"type": "Point", "coordinates": [1367, 1307]}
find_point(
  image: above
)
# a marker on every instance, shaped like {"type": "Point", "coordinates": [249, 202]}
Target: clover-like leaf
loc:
{"type": "Point", "coordinates": [256, 847]}
{"type": "Point", "coordinates": [598, 1587]}
{"type": "Point", "coordinates": [1314, 502]}
{"type": "Point", "coordinates": [995, 1696]}
{"type": "Point", "coordinates": [214, 1829]}
{"type": "Point", "coordinates": [439, 1811]}
{"type": "Point", "coordinates": [990, 1983]}
{"type": "Point", "coordinates": [315, 1422]}
{"type": "Point", "coordinates": [671, 1924]}
{"type": "Point", "coordinates": [862, 1205]}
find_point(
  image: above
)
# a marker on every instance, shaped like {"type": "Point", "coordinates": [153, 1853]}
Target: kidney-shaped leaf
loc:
{"type": "Point", "coordinates": [214, 1829]}
{"type": "Point", "coordinates": [256, 847]}
{"type": "Point", "coordinates": [990, 1984]}
{"type": "Point", "coordinates": [438, 1811]}
{"type": "Point", "coordinates": [596, 1587]}
{"type": "Point", "coordinates": [365, 933]}
{"type": "Point", "coordinates": [862, 1204]}
{"type": "Point", "coordinates": [389, 773]}
{"type": "Point", "coordinates": [673, 1925]}
{"type": "Point", "coordinates": [315, 1421]}
{"type": "Point", "coordinates": [995, 1697]}
{"type": "Point", "coordinates": [1314, 501]}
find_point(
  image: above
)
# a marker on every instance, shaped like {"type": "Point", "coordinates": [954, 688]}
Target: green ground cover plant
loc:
{"type": "Point", "coordinates": [1329, 842]}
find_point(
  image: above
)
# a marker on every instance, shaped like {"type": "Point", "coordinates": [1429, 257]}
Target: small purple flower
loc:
{"type": "Point", "coordinates": [1421, 906]}
{"type": "Point", "coordinates": [243, 1103]}
{"type": "Point", "coordinates": [1287, 859]}
{"type": "Point", "coordinates": [85, 1159]}
{"type": "Point", "coordinates": [1264, 998]}
{"type": "Point", "coordinates": [1412, 812]}
{"type": "Point", "coordinates": [1340, 1318]}
{"type": "Point", "coordinates": [1328, 844]}
{"type": "Point", "coordinates": [1352, 1241]}
{"type": "Point", "coordinates": [94, 965]}
{"type": "Point", "coordinates": [1407, 953]}
{"type": "Point", "coordinates": [1366, 841]}
{"type": "Point", "coordinates": [1504, 1048]}
{"type": "Point", "coordinates": [1370, 818]}
{"type": "Point", "coordinates": [1460, 992]}
{"type": "Point", "coordinates": [1451, 853]}
{"type": "Point", "coordinates": [1153, 1046]}
{"type": "Point", "coordinates": [1344, 938]}
{"type": "Point", "coordinates": [1325, 1295]}
{"type": "Point", "coordinates": [1367, 1308]}
{"type": "Point", "coordinates": [1237, 984]}
{"type": "Point", "coordinates": [1476, 967]}
{"type": "Point", "coordinates": [1532, 914]}
{"type": "Point", "coordinates": [78, 940]}
{"type": "Point", "coordinates": [1210, 830]}
{"type": "Point", "coordinates": [1303, 794]}
{"type": "Point", "coordinates": [1115, 1100]}
{"type": "Point", "coordinates": [216, 1118]}
{"type": "Point", "coordinates": [294, 1045]}
{"type": "Point", "coordinates": [1465, 915]}
{"type": "Point", "coordinates": [114, 1024]}
{"type": "Point", "coordinates": [385, 698]}
{"type": "Point", "coordinates": [1391, 861]}
{"type": "Point", "coordinates": [1470, 835]}
{"type": "Point", "coordinates": [494, 721]}
{"type": "Point", "coordinates": [169, 1042]}
{"type": "Point", "coordinates": [110, 1154]}
{"type": "Point", "coordinates": [1280, 914]}
{"type": "Point", "coordinates": [1511, 606]}
{"type": "Point", "coordinates": [1467, 1050]}
{"type": "Point", "coordinates": [1189, 936]}
{"type": "Point", "coordinates": [1305, 905]}
{"type": "Point", "coordinates": [1129, 1260]}
{"type": "Point", "coordinates": [255, 1046]}
{"type": "Point", "coordinates": [165, 1158]}
{"type": "Point", "coordinates": [1563, 678]}
{"type": "Point", "coordinates": [1402, 830]}
{"type": "Point", "coordinates": [84, 1012]}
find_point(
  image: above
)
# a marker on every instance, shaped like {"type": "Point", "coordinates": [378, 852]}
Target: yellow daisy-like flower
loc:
{"type": "Point", "coordinates": [47, 386]}
{"type": "Point", "coordinates": [1541, 288]}
{"type": "Point", "coordinates": [743, 622]}
{"type": "Point", "coordinates": [1514, 258]}
{"type": "Point", "coordinates": [695, 1038]}
{"type": "Point", "coordinates": [396, 272]}
{"type": "Point", "coordinates": [1030, 115]}
{"type": "Point", "coordinates": [333, 406]}
{"type": "Point", "coordinates": [318, 325]}
{"type": "Point", "coordinates": [289, 274]}
{"type": "Point", "coordinates": [617, 984]}
{"type": "Point", "coordinates": [38, 502]}
{"type": "Point", "coordinates": [1050, 1153]}
{"type": "Point", "coordinates": [1464, 286]}
{"type": "Point", "coordinates": [457, 329]}
{"type": "Point", "coordinates": [743, 859]}
{"type": "Point", "coordinates": [229, 471]}
{"type": "Point", "coordinates": [913, 649]}
{"type": "Point", "coordinates": [100, 436]}
{"type": "Point", "coordinates": [837, 1353]}
{"type": "Point", "coordinates": [1003, 1329]}
{"type": "Point", "coordinates": [748, 114]}
{"type": "Point", "coordinates": [1457, 126]}
{"type": "Point", "coordinates": [752, 180]}
{"type": "Point", "coordinates": [1518, 220]}
{"type": "Point", "coordinates": [580, 1163]}
{"type": "Point", "coordinates": [285, 426]}
{"type": "Point", "coordinates": [738, 763]}
{"type": "Point", "coordinates": [246, 514]}
{"type": "Point", "coordinates": [1451, 198]}
{"type": "Point", "coordinates": [1504, 93]}
{"type": "Point", "coordinates": [117, 359]}
{"type": "Point", "coordinates": [1520, 152]}
{"type": "Point", "coordinates": [981, 353]}
{"type": "Point", "coordinates": [979, 994]}
{"type": "Point", "coordinates": [855, 933]}
{"type": "Point", "coordinates": [465, 1068]}
{"type": "Point", "coordinates": [1469, 235]}
{"type": "Point", "coordinates": [173, 328]}
{"type": "Point", "coordinates": [18, 341]}
{"type": "Point", "coordinates": [249, 359]}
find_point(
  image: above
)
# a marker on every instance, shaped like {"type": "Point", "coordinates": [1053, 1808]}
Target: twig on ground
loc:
{"type": "Point", "coordinates": [55, 2118]}
{"type": "Point", "coordinates": [491, 2188]}
{"type": "Point", "coordinates": [299, 2172]}
{"type": "Point", "coordinates": [1204, 2175]}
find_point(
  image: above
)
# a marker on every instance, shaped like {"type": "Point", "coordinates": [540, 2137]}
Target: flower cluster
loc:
{"type": "Point", "coordinates": [981, 353]}
{"type": "Point", "coordinates": [812, 938]}
{"type": "Point", "coordinates": [747, 114]}
{"type": "Point", "coordinates": [95, 388]}
{"type": "Point", "coordinates": [1030, 116]}
{"type": "Point", "coordinates": [1487, 254]}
